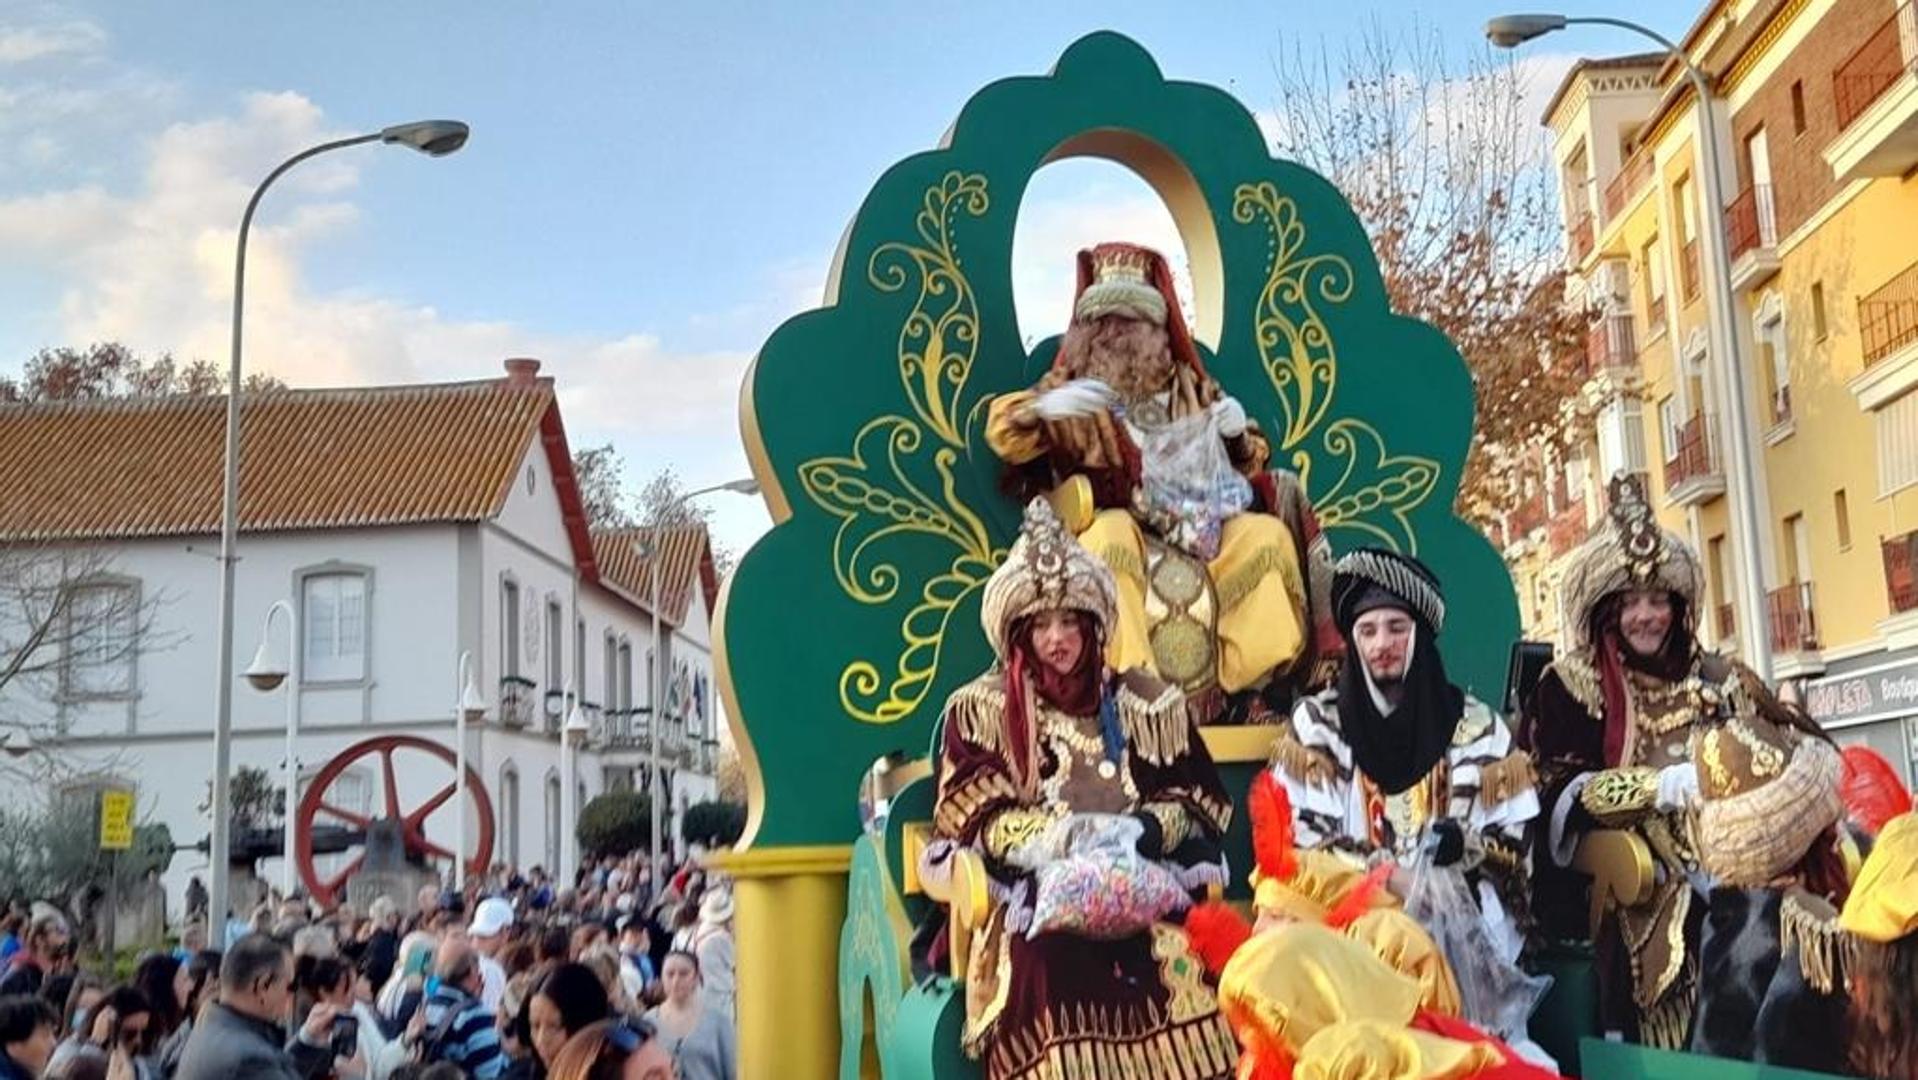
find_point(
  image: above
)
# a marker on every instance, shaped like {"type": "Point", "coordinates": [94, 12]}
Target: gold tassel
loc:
{"type": "Point", "coordinates": [1159, 732]}
{"type": "Point", "coordinates": [1237, 585]}
{"type": "Point", "coordinates": [1823, 949]}
{"type": "Point", "coordinates": [1123, 560]}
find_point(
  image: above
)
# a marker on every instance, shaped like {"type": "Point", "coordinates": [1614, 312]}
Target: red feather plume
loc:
{"type": "Point", "coordinates": [1272, 845]}
{"type": "Point", "coordinates": [1872, 791]}
{"type": "Point", "coordinates": [1358, 900]}
{"type": "Point", "coordinates": [1216, 930]}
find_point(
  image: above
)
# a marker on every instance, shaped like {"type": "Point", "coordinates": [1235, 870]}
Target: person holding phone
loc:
{"type": "Point", "coordinates": [240, 1037]}
{"type": "Point", "coordinates": [120, 1024]}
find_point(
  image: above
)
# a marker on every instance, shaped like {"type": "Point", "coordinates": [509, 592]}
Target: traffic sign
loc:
{"type": "Point", "coordinates": [116, 820]}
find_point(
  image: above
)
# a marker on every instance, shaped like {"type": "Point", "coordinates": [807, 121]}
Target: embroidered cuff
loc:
{"type": "Point", "coordinates": [1619, 796]}
{"type": "Point", "coordinates": [1010, 830]}
{"type": "Point", "coordinates": [1174, 825]}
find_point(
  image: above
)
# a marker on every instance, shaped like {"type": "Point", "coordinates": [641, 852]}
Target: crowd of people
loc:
{"type": "Point", "coordinates": [513, 978]}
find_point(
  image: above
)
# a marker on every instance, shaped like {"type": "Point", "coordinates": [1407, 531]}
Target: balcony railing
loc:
{"type": "Point", "coordinates": [1888, 316]}
{"type": "Point", "coordinates": [1654, 317]}
{"type": "Point", "coordinates": [1901, 571]}
{"type": "Point", "coordinates": [1567, 528]}
{"type": "Point", "coordinates": [1794, 626]}
{"type": "Point", "coordinates": [1694, 454]}
{"type": "Point", "coordinates": [1688, 269]}
{"type": "Point", "coordinates": [1867, 73]}
{"type": "Point", "coordinates": [518, 699]}
{"type": "Point", "coordinates": [1629, 181]}
{"type": "Point", "coordinates": [1609, 343]}
{"type": "Point", "coordinates": [1582, 236]}
{"type": "Point", "coordinates": [1749, 221]}
{"type": "Point", "coordinates": [1727, 621]}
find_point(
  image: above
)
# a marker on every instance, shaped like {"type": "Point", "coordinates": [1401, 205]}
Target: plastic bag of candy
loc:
{"type": "Point", "coordinates": [1100, 896]}
{"type": "Point", "coordinates": [1188, 488]}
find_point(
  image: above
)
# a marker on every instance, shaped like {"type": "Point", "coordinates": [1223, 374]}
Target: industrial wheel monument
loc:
{"type": "Point", "coordinates": [864, 421]}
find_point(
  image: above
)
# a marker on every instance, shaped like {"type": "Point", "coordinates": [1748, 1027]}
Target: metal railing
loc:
{"type": "Point", "coordinates": [1630, 180]}
{"type": "Point", "coordinates": [1583, 236]}
{"type": "Point", "coordinates": [1688, 269]}
{"type": "Point", "coordinates": [1609, 343]}
{"type": "Point", "coordinates": [1901, 571]}
{"type": "Point", "coordinates": [1695, 453]}
{"type": "Point", "coordinates": [1794, 624]}
{"type": "Point", "coordinates": [1750, 222]}
{"type": "Point", "coordinates": [518, 699]}
{"type": "Point", "coordinates": [1888, 316]}
{"type": "Point", "coordinates": [1875, 65]}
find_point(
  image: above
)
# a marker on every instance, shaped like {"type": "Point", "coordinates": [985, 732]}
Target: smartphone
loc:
{"type": "Point", "coordinates": [346, 1036]}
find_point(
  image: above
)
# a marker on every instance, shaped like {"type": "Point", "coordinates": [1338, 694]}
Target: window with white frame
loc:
{"type": "Point", "coordinates": [555, 647]}
{"type": "Point", "coordinates": [1668, 425]}
{"type": "Point", "coordinates": [609, 673]}
{"type": "Point", "coordinates": [101, 639]}
{"type": "Point", "coordinates": [626, 676]}
{"type": "Point", "coordinates": [509, 627]}
{"type": "Point", "coordinates": [1898, 444]}
{"type": "Point", "coordinates": [1621, 437]}
{"type": "Point", "coordinates": [1770, 337]}
{"type": "Point", "coordinates": [333, 629]}
{"type": "Point", "coordinates": [579, 657]}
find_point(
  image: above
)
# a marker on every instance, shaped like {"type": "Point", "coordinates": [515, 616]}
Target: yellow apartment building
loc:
{"type": "Point", "coordinates": [1816, 110]}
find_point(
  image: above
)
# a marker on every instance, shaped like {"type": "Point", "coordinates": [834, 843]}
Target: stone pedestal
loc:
{"type": "Point", "coordinates": [386, 871]}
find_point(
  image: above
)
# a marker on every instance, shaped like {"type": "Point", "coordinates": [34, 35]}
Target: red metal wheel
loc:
{"type": "Point", "coordinates": [314, 807]}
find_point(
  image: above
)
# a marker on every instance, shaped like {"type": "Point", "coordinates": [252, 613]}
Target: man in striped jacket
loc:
{"type": "Point", "coordinates": [1393, 761]}
{"type": "Point", "coordinates": [459, 1027]}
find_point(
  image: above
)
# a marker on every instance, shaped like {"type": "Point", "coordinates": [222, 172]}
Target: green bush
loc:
{"type": "Point", "coordinates": [713, 824]}
{"type": "Point", "coordinates": [615, 823]}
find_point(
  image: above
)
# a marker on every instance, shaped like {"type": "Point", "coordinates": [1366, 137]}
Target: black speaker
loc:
{"type": "Point", "coordinates": [1522, 672]}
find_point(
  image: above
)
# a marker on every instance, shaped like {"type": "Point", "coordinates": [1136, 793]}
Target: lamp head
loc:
{"type": "Point", "coordinates": [268, 669]}
{"type": "Point", "coordinates": [1509, 31]}
{"type": "Point", "coordinates": [435, 138]}
{"type": "Point", "coordinates": [471, 703]}
{"type": "Point", "coordinates": [576, 728]}
{"type": "Point", "coordinates": [744, 486]}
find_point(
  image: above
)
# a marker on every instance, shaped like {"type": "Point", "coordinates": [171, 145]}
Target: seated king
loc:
{"type": "Point", "coordinates": [1163, 479]}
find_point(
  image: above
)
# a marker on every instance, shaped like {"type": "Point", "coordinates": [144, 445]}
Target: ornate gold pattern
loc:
{"type": "Point", "coordinates": [1174, 826]}
{"type": "Point", "coordinates": [1011, 829]}
{"type": "Point", "coordinates": [1375, 491]}
{"type": "Point", "coordinates": [872, 492]}
{"type": "Point", "coordinates": [1617, 795]}
{"type": "Point", "coordinates": [1182, 976]}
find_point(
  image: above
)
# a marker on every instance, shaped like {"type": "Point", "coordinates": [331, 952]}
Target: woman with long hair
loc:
{"type": "Point", "coordinates": [613, 1050]}
{"type": "Point", "coordinates": [563, 1004]}
{"type": "Point", "coordinates": [697, 1035]}
{"type": "Point", "coordinates": [162, 978]}
{"type": "Point", "coordinates": [201, 977]}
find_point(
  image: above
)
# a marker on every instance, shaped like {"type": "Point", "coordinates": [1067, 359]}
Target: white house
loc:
{"type": "Point", "coordinates": [405, 525]}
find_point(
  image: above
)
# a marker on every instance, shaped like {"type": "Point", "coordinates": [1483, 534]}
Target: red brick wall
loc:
{"type": "Point", "coordinates": [1801, 180]}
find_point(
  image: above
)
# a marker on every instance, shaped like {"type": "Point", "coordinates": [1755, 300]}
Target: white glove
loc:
{"type": "Point", "coordinates": [1077, 399]}
{"type": "Point", "coordinates": [1230, 415]}
{"type": "Point", "coordinates": [1677, 787]}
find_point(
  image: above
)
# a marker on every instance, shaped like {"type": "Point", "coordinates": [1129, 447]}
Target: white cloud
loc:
{"type": "Point", "coordinates": [1057, 221]}
{"type": "Point", "coordinates": [24, 44]}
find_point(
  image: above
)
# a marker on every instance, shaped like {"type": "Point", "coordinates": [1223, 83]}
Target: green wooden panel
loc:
{"type": "Point", "coordinates": [1623, 1061]}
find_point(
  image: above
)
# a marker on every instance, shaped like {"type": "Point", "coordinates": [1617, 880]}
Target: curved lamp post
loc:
{"type": "Point", "coordinates": [1510, 31]}
{"type": "Point", "coordinates": [656, 683]}
{"type": "Point", "coordinates": [435, 138]}
{"type": "Point", "coordinates": [265, 674]}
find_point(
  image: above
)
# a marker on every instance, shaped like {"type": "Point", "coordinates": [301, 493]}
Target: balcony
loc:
{"type": "Point", "coordinates": [1582, 237]}
{"type": "Point", "coordinates": [1567, 529]}
{"type": "Point", "coordinates": [1524, 518]}
{"type": "Point", "coordinates": [1727, 623]}
{"type": "Point", "coordinates": [1794, 625]}
{"type": "Point", "coordinates": [1875, 90]}
{"type": "Point", "coordinates": [1901, 571]}
{"type": "Point", "coordinates": [1888, 317]}
{"type": "Point", "coordinates": [1692, 472]}
{"type": "Point", "coordinates": [1688, 270]}
{"type": "Point", "coordinates": [1630, 180]}
{"type": "Point", "coordinates": [518, 700]}
{"type": "Point", "coordinates": [1751, 232]}
{"type": "Point", "coordinates": [1609, 344]}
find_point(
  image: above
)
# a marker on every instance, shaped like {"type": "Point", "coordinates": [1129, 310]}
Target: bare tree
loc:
{"type": "Point", "coordinates": [1451, 178]}
{"type": "Point", "coordinates": [601, 474]}
{"type": "Point", "coordinates": [108, 369]}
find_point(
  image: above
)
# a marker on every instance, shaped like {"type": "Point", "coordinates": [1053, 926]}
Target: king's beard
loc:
{"type": "Point", "coordinates": [1132, 356]}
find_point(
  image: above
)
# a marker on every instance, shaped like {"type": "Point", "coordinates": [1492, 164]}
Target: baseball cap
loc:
{"type": "Point", "coordinates": [491, 918]}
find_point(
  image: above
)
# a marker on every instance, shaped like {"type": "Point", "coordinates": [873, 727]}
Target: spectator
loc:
{"type": "Point", "coordinates": [26, 1036]}
{"type": "Point", "coordinates": [11, 922]}
{"type": "Point", "coordinates": [45, 943]}
{"type": "Point", "coordinates": [119, 1025]}
{"type": "Point", "coordinates": [697, 1035]}
{"type": "Point", "coordinates": [239, 1037]}
{"type": "Point", "coordinates": [459, 1026]}
{"type": "Point", "coordinates": [400, 998]}
{"type": "Point", "coordinates": [83, 997]}
{"type": "Point", "coordinates": [613, 1050]}
{"type": "Point", "coordinates": [712, 943]}
{"type": "Point", "coordinates": [491, 920]}
{"type": "Point", "coordinates": [383, 944]}
{"type": "Point", "coordinates": [425, 906]}
{"type": "Point", "coordinates": [635, 951]}
{"type": "Point", "coordinates": [565, 1002]}
{"type": "Point", "coordinates": [164, 982]}
{"type": "Point", "coordinates": [202, 988]}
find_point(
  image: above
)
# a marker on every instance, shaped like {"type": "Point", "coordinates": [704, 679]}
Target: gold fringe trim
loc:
{"type": "Point", "coordinates": [1158, 731]}
{"type": "Point", "coordinates": [1580, 678]}
{"type": "Point", "coordinates": [1234, 587]}
{"type": "Point", "coordinates": [1667, 1025]}
{"type": "Point", "coordinates": [1123, 560]}
{"type": "Point", "coordinates": [1301, 762]}
{"type": "Point", "coordinates": [978, 711]}
{"type": "Point", "coordinates": [1824, 950]}
{"type": "Point", "coordinates": [1505, 778]}
{"type": "Point", "coordinates": [959, 805]}
{"type": "Point", "coordinates": [1093, 1042]}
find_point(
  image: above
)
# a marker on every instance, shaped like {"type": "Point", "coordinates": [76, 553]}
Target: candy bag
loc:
{"type": "Point", "coordinates": [1095, 884]}
{"type": "Point", "coordinates": [1498, 995]}
{"type": "Point", "coordinates": [1188, 488]}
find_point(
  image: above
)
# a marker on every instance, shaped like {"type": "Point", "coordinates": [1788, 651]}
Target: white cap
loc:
{"type": "Point", "coordinates": [491, 918]}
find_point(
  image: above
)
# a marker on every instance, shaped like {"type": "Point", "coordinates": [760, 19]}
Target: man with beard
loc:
{"type": "Point", "coordinates": [1049, 737]}
{"type": "Point", "coordinates": [1170, 490]}
{"type": "Point", "coordinates": [1615, 726]}
{"type": "Point", "coordinates": [1394, 762]}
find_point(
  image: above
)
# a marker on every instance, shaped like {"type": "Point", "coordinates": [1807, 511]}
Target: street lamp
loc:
{"type": "Point", "coordinates": [267, 671]}
{"type": "Point", "coordinates": [468, 708]}
{"type": "Point", "coordinates": [574, 730]}
{"type": "Point", "coordinates": [435, 138]}
{"type": "Point", "coordinates": [1508, 31]}
{"type": "Point", "coordinates": [655, 690]}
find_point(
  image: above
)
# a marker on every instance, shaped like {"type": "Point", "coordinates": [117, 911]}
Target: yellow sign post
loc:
{"type": "Point", "coordinates": [116, 820]}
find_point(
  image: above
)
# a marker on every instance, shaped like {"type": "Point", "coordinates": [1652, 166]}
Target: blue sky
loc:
{"type": "Point", "coordinates": [650, 187]}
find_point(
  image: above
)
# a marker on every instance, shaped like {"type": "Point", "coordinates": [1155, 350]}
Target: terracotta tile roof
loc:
{"type": "Point", "coordinates": [395, 455]}
{"type": "Point", "coordinates": [688, 560]}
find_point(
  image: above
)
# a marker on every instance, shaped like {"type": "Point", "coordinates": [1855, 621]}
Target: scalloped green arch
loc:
{"type": "Point", "coordinates": [845, 627]}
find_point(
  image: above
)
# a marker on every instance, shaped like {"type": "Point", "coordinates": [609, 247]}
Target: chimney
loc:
{"type": "Point", "coordinates": [522, 372]}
